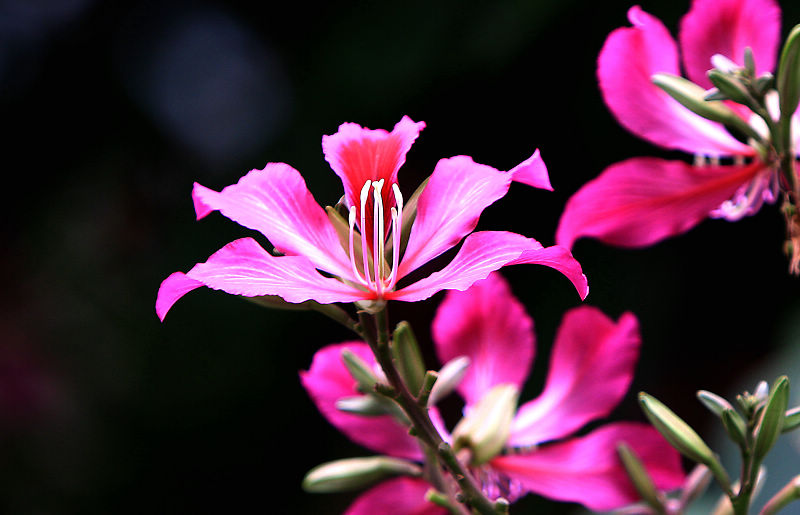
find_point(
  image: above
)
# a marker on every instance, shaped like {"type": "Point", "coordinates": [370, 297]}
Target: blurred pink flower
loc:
{"type": "Point", "coordinates": [640, 201]}
{"type": "Point", "coordinates": [276, 202]}
{"type": "Point", "coordinates": [591, 368]}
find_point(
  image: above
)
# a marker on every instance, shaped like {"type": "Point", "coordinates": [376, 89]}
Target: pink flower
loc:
{"type": "Point", "coordinates": [640, 201]}
{"type": "Point", "coordinates": [591, 368]}
{"type": "Point", "coordinates": [276, 202]}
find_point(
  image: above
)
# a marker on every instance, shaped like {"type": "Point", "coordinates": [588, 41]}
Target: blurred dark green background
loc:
{"type": "Point", "coordinates": [113, 109]}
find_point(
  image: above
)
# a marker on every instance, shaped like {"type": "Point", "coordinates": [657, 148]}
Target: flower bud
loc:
{"type": "Point", "coordinates": [730, 86]}
{"type": "Point", "coordinates": [788, 80]}
{"type": "Point", "coordinates": [360, 371]}
{"type": "Point", "coordinates": [713, 402]}
{"type": "Point", "coordinates": [364, 405]}
{"type": "Point", "coordinates": [450, 375]}
{"type": "Point", "coordinates": [486, 428]}
{"type": "Point", "coordinates": [354, 473]}
{"type": "Point", "coordinates": [771, 421]}
{"type": "Point", "coordinates": [791, 419]}
{"type": "Point", "coordinates": [408, 357]}
{"type": "Point", "coordinates": [640, 478]}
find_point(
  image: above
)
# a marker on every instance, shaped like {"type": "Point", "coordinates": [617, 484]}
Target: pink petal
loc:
{"type": "Point", "coordinates": [727, 27]}
{"type": "Point", "coordinates": [359, 154]}
{"type": "Point", "coordinates": [173, 288]}
{"type": "Point", "coordinates": [591, 368]}
{"type": "Point", "coordinates": [483, 253]}
{"type": "Point", "coordinates": [242, 267]}
{"type": "Point", "coordinates": [399, 496]}
{"type": "Point", "coordinates": [630, 56]}
{"type": "Point", "coordinates": [449, 207]}
{"type": "Point", "coordinates": [499, 342]}
{"type": "Point", "coordinates": [276, 202]}
{"type": "Point", "coordinates": [587, 470]}
{"type": "Point", "coordinates": [532, 172]}
{"type": "Point", "coordinates": [327, 381]}
{"type": "Point", "coordinates": [558, 258]}
{"type": "Point", "coordinates": [641, 201]}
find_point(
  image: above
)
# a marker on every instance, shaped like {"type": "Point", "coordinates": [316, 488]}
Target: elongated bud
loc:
{"type": "Point", "coordinates": [360, 371]}
{"type": "Point", "coordinates": [695, 99]}
{"type": "Point", "coordinates": [713, 402]}
{"type": "Point", "coordinates": [730, 86]}
{"type": "Point", "coordinates": [771, 422]}
{"type": "Point", "coordinates": [695, 484]}
{"type": "Point", "coordinates": [354, 473]}
{"type": "Point", "coordinates": [408, 357]}
{"type": "Point", "coordinates": [450, 375]}
{"type": "Point", "coordinates": [791, 420]}
{"type": "Point", "coordinates": [681, 436]}
{"type": "Point", "coordinates": [485, 430]}
{"type": "Point", "coordinates": [786, 495]}
{"type": "Point", "coordinates": [364, 405]}
{"type": "Point", "coordinates": [640, 478]}
{"type": "Point", "coordinates": [788, 80]}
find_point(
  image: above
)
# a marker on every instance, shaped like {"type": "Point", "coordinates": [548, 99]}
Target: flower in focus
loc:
{"type": "Point", "coordinates": [640, 201]}
{"type": "Point", "coordinates": [591, 368]}
{"type": "Point", "coordinates": [365, 256]}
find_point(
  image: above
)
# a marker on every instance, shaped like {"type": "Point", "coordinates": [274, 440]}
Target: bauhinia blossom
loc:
{"type": "Point", "coordinates": [365, 256]}
{"type": "Point", "coordinates": [591, 368]}
{"type": "Point", "coordinates": [640, 201]}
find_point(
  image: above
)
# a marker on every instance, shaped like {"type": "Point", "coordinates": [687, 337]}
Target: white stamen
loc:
{"type": "Point", "coordinates": [397, 228]}
{"type": "Point", "coordinates": [699, 160]}
{"type": "Point", "coordinates": [364, 248]}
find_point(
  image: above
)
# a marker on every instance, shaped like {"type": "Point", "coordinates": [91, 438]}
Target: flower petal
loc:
{"type": "Point", "coordinates": [457, 192]}
{"type": "Point", "coordinates": [532, 172]}
{"type": "Point", "coordinates": [591, 368]}
{"type": "Point", "coordinates": [328, 380]}
{"type": "Point", "coordinates": [727, 27]}
{"type": "Point", "coordinates": [276, 202]}
{"type": "Point", "coordinates": [399, 496]}
{"type": "Point", "coordinates": [358, 154]}
{"type": "Point", "coordinates": [242, 267]}
{"type": "Point", "coordinates": [587, 470]}
{"type": "Point", "coordinates": [498, 342]}
{"type": "Point", "coordinates": [640, 201]}
{"type": "Point", "coordinates": [558, 258]}
{"type": "Point", "coordinates": [173, 288]}
{"type": "Point", "coordinates": [629, 58]}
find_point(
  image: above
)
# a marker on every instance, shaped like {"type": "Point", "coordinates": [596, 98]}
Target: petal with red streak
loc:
{"type": "Point", "coordinates": [640, 201]}
{"type": "Point", "coordinates": [399, 496]}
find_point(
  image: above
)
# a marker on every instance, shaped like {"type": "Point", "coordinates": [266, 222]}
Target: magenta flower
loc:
{"type": "Point", "coordinates": [643, 200]}
{"type": "Point", "coordinates": [591, 368]}
{"type": "Point", "coordinates": [276, 202]}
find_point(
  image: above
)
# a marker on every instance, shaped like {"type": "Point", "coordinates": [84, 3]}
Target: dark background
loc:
{"type": "Point", "coordinates": [113, 109]}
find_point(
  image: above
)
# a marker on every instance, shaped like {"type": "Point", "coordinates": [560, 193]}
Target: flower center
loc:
{"type": "Point", "coordinates": [372, 256]}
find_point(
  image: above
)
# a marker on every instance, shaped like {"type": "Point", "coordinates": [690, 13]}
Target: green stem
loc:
{"type": "Point", "coordinates": [420, 420]}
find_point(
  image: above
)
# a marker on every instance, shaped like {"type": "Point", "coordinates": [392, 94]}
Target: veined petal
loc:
{"type": "Point", "coordinates": [640, 201]}
{"type": "Point", "coordinates": [591, 368]}
{"type": "Point", "coordinates": [727, 27]}
{"type": "Point", "coordinates": [358, 154]}
{"type": "Point", "coordinates": [532, 172]}
{"type": "Point", "coordinates": [558, 258]}
{"type": "Point", "coordinates": [628, 60]}
{"type": "Point", "coordinates": [276, 202]}
{"type": "Point", "coordinates": [587, 470]}
{"type": "Point", "coordinates": [498, 342]}
{"type": "Point", "coordinates": [449, 207]}
{"type": "Point", "coordinates": [483, 253]}
{"type": "Point", "coordinates": [242, 267]}
{"type": "Point", "coordinates": [328, 380]}
{"type": "Point", "coordinates": [173, 288]}
{"type": "Point", "coordinates": [399, 496]}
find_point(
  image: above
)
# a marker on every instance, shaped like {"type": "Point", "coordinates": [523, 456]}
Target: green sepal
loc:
{"type": "Point", "coordinates": [354, 473]}
{"type": "Point", "coordinates": [730, 87]}
{"type": "Point", "coordinates": [788, 80]}
{"type": "Point", "coordinates": [681, 436]}
{"type": "Point", "coordinates": [408, 357]}
{"type": "Point", "coordinates": [694, 98]}
{"type": "Point", "coordinates": [771, 420]}
{"type": "Point", "coordinates": [791, 420]}
{"type": "Point", "coordinates": [640, 478]}
{"type": "Point", "coordinates": [360, 371]}
{"type": "Point", "coordinates": [735, 426]}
